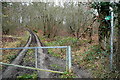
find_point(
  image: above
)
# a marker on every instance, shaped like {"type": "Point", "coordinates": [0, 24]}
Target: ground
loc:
{"type": "Point", "coordinates": [88, 57]}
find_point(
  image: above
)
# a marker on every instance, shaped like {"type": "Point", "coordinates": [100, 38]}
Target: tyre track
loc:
{"type": "Point", "coordinates": [43, 61]}
{"type": "Point", "coordinates": [10, 71]}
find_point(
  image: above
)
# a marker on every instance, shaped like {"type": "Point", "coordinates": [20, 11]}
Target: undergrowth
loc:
{"type": "Point", "coordinates": [28, 76]}
{"type": "Point", "coordinates": [68, 75]}
{"type": "Point", "coordinates": [10, 55]}
{"type": "Point", "coordinates": [87, 55]}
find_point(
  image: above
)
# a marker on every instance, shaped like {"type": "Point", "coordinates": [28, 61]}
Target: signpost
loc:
{"type": "Point", "coordinates": [107, 18]}
{"type": "Point", "coordinates": [111, 38]}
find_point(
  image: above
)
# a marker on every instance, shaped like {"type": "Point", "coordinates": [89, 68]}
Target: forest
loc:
{"type": "Point", "coordinates": [92, 29]}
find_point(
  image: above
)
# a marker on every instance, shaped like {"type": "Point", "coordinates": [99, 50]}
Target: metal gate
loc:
{"type": "Point", "coordinates": [68, 58]}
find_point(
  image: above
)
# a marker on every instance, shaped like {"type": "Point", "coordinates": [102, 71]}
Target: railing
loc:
{"type": "Point", "coordinates": [68, 58]}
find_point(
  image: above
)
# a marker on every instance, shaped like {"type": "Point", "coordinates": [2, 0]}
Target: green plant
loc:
{"type": "Point", "coordinates": [53, 53]}
{"type": "Point", "coordinates": [28, 76]}
{"type": "Point", "coordinates": [94, 53]}
{"type": "Point", "coordinates": [30, 51]}
{"type": "Point", "coordinates": [68, 75]}
{"type": "Point", "coordinates": [29, 56]}
{"type": "Point", "coordinates": [56, 66]}
{"type": "Point", "coordinates": [63, 41]}
{"type": "Point", "coordinates": [11, 57]}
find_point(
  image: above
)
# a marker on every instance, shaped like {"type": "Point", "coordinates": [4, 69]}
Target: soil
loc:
{"type": "Point", "coordinates": [48, 61]}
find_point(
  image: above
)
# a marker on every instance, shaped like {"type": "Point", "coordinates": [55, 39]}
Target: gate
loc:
{"type": "Point", "coordinates": [68, 58]}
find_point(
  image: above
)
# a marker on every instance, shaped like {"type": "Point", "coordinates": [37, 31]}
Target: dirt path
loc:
{"type": "Point", "coordinates": [10, 71]}
{"type": "Point", "coordinates": [45, 61]}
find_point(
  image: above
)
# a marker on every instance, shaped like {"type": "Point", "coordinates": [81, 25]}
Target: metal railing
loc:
{"type": "Point", "coordinates": [68, 58]}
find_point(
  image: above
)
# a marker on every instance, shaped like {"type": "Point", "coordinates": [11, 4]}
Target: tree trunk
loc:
{"type": "Point", "coordinates": [118, 46]}
{"type": "Point", "coordinates": [118, 51]}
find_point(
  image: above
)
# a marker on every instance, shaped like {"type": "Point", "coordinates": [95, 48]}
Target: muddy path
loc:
{"type": "Point", "coordinates": [10, 70]}
{"type": "Point", "coordinates": [44, 61]}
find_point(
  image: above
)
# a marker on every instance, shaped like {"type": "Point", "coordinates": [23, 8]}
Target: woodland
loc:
{"type": "Point", "coordinates": [85, 26]}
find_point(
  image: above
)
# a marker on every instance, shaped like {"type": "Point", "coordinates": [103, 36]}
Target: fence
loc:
{"type": "Point", "coordinates": [68, 58]}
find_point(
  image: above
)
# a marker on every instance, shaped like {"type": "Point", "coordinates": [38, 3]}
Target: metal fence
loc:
{"type": "Point", "coordinates": [68, 58]}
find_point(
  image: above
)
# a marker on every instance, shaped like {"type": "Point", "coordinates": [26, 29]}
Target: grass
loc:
{"type": "Point", "coordinates": [87, 55]}
{"type": "Point", "coordinates": [28, 76]}
{"type": "Point", "coordinates": [30, 56]}
{"type": "Point", "coordinates": [68, 75]}
{"type": "Point", "coordinates": [61, 41]}
{"type": "Point", "coordinates": [55, 66]}
{"type": "Point", "coordinates": [53, 53]}
{"type": "Point", "coordinates": [9, 55]}
{"type": "Point", "coordinates": [96, 61]}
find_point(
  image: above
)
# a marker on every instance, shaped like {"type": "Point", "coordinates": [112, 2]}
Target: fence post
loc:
{"type": "Point", "coordinates": [69, 55]}
{"type": "Point", "coordinates": [68, 59]}
{"type": "Point", "coordinates": [36, 51]}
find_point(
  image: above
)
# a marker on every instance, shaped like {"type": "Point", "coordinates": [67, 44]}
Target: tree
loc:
{"type": "Point", "coordinates": [104, 28]}
{"type": "Point", "coordinates": [118, 38]}
{"type": "Point", "coordinates": [78, 19]}
{"type": "Point", "coordinates": [104, 32]}
{"type": "Point", "coordinates": [11, 16]}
